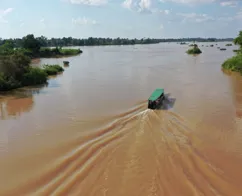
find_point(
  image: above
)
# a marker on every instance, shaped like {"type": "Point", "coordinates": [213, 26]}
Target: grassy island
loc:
{"type": "Point", "coordinates": [16, 72]}
{"type": "Point", "coordinates": [194, 50]}
{"type": "Point", "coordinates": [235, 63]}
{"type": "Point", "coordinates": [15, 69]}
{"type": "Point", "coordinates": [51, 70]}
{"type": "Point", "coordinates": [58, 52]}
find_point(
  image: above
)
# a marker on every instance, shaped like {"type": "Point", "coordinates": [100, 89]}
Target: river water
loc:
{"type": "Point", "coordinates": [89, 132]}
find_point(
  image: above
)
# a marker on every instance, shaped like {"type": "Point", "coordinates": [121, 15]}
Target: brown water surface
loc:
{"type": "Point", "coordinates": [89, 131]}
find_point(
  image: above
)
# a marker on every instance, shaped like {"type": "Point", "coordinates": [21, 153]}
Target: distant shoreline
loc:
{"type": "Point", "coordinates": [91, 41]}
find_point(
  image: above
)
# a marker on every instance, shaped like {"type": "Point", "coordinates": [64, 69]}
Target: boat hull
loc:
{"type": "Point", "coordinates": [156, 104]}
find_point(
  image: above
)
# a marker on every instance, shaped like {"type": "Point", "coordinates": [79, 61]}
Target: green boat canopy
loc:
{"type": "Point", "coordinates": [156, 94]}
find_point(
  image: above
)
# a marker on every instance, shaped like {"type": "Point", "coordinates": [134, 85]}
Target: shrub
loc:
{"type": "Point", "coordinates": [56, 52]}
{"type": "Point", "coordinates": [234, 63]}
{"type": "Point", "coordinates": [14, 65]}
{"type": "Point", "coordinates": [34, 76]}
{"type": "Point", "coordinates": [53, 69]}
{"type": "Point", "coordinates": [58, 68]}
{"type": "Point", "coordinates": [70, 51]}
{"type": "Point", "coordinates": [8, 83]}
{"type": "Point", "coordinates": [194, 51]}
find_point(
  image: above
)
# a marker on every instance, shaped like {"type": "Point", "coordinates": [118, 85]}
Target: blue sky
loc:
{"type": "Point", "coordinates": [121, 18]}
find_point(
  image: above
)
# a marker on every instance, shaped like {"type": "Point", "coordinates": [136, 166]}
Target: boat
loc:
{"type": "Point", "coordinates": [66, 63]}
{"type": "Point", "coordinates": [156, 98]}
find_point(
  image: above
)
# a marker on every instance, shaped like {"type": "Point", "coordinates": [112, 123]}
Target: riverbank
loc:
{"type": "Point", "coordinates": [16, 72]}
{"type": "Point", "coordinates": [98, 41]}
{"type": "Point", "coordinates": [15, 69]}
{"type": "Point", "coordinates": [56, 52]}
{"type": "Point", "coordinates": [235, 63]}
{"type": "Point", "coordinates": [34, 48]}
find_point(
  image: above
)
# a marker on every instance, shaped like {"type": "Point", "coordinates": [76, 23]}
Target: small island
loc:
{"type": "Point", "coordinates": [16, 72]}
{"type": "Point", "coordinates": [235, 63]}
{"type": "Point", "coordinates": [194, 50]}
{"type": "Point", "coordinates": [15, 69]}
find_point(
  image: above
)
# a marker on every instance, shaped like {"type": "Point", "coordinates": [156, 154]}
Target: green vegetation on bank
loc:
{"type": "Point", "coordinates": [91, 41]}
{"type": "Point", "coordinates": [235, 63]}
{"type": "Point", "coordinates": [15, 70]}
{"type": "Point", "coordinates": [238, 51]}
{"type": "Point", "coordinates": [58, 52]}
{"type": "Point", "coordinates": [194, 50]}
{"type": "Point", "coordinates": [33, 48]}
{"type": "Point", "coordinates": [52, 69]}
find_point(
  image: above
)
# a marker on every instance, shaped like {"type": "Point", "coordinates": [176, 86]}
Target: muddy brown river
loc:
{"type": "Point", "coordinates": [89, 132]}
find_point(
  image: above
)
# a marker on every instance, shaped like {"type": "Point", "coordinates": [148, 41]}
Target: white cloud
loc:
{"type": "Point", "coordinates": [145, 4]}
{"type": "Point", "coordinates": [139, 5]}
{"type": "Point", "coordinates": [188, 1]}
{"type": "Point", "coordinates": [42, 20]}
{"type": "Point", "coordinates": [226, 19]}
{"type": "Point", "coordinates": [4, 13]}
{"type": "Point", "coordinates": [7, 11]}
{"type": "Point", "coordinates": [229, 3]}
{"type": "Point", "coordinates": [165, 12]}
{"type": "Point", "coordinates": [89, 2]}
{"type": "Point", "coordinates": [193, 17]}
{"type": "Point", "coordinates": [127, 4]}
{"type": "Point", "coordinates": [83, 21]}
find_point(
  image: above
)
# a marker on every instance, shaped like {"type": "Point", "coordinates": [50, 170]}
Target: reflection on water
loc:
{"type": "Point", "coordinates": [90, 132]}
{"type": "Point", "coordinates": [14, 107]}
{"type": "Point", "coordinates": [16, 102]}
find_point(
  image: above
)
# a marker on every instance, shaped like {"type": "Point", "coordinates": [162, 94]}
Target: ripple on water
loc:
{"type": "Point", "coordinates": [192, 149]}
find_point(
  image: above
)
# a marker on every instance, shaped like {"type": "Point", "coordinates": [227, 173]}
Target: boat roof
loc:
{"type": "Point", "coordinates": [156, 94]}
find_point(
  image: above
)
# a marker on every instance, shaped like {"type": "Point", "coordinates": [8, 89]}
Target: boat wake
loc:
{"type": "Point", "coordinates": [139, 152]}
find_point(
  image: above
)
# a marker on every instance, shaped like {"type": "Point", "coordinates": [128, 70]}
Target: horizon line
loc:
{"type": "Point", "coordinates": [119, 37]}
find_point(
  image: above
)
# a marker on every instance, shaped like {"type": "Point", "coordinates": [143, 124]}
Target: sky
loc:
{"type": "Point", "coordinates": [121, 18]}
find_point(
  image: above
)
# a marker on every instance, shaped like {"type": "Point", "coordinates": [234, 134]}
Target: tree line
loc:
{"type": "Point", "coordinates": [91, 41]}
{"type": "Point", "coordinates": [34, 48]}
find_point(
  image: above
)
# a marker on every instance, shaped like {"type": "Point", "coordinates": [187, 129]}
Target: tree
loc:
{"type": "Point", "coordinates": [14, 65]}
{"type": "Point", "coordinates": [7, 48]}
{"type": "Point", "coordinates": [42, 40]}
{"type": "Point", "coordinates": [238, 40]}
{"type": "Point", "coordinates": [29, 42]}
